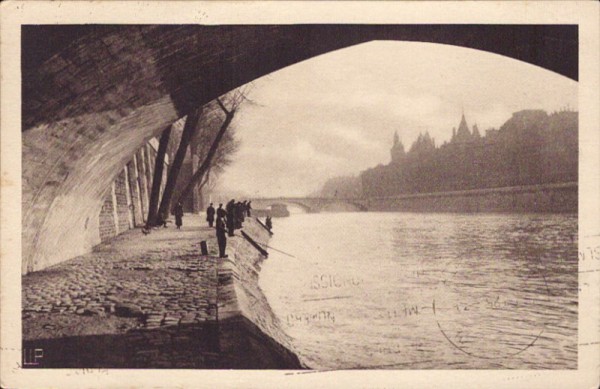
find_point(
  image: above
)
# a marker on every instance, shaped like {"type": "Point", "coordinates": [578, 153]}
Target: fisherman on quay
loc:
{"type": "Point", "coordinates": [220, 211]}
{"type": "Point", "coordinates": [231, 212]}
{"type": "Point", "coordinates": [221, 229]}
{"type": "Point", "coordinates": [243, 210]}
{"type": "Point", "coordinates": [269, 223]}
{"type": "Point", "coordinates": [178, 212]}
{"type": "Point", "coordinates": [239, 214]}
{"type": "Point", "coordinates": [210, 215]}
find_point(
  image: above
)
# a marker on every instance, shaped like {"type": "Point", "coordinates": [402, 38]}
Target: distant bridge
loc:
{"type": "Point", "coordinates": [310, 204]}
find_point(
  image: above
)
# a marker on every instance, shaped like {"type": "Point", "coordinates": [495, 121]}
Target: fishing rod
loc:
{"type": "Point", "coordinates": [273, 248]}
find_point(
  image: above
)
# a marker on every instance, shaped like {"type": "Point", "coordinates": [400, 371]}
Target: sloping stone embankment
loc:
{"type": "Point", "coordinates": [249, 332]}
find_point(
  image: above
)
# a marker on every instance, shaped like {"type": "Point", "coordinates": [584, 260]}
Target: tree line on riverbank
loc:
{"type": "Point", "coordinates": [205, 134]}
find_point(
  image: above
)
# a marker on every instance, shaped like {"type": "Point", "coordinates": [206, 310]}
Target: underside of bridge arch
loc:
{"type": "Point", "coordinates": [94, 94]}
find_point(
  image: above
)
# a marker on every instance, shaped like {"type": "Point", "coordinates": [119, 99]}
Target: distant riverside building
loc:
{"type": "Point", "coordinates": [532, 147]}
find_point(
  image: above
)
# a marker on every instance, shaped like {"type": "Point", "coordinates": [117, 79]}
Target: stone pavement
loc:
{"type": "Point", "coordinates": [136, 301]}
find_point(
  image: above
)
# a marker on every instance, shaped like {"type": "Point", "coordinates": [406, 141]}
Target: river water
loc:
{"type": "Point", "coordinates": [426, 291]}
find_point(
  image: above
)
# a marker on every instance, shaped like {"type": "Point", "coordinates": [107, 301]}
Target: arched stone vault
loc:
{"type": "Point", "coordinates": [92, 95]}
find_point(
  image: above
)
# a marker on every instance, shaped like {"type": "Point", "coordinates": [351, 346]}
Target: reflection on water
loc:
{"type": "Point", "coordinates": [427, 291]}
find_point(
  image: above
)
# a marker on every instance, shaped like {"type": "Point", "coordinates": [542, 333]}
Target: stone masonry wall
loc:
{"type": "Point", "coordinates": [123, 211]}
{"type": "Point", "coordinates": [122, 208]}
{"type": "Point", "coordinates": [107, 219]}
{"type": "Point", "coordinates": [250, 335]}
{"type": "Point", "coordinates": [136, 198]}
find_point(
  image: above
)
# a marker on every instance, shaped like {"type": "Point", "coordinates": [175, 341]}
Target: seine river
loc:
{"type": "Point", "coordinates": [426, 291]}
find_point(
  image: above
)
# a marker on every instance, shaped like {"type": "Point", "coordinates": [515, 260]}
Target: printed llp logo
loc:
{"type": "Point", "coordinates": [32, 356]}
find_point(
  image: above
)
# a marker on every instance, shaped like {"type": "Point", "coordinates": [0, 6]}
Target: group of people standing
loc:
{"type": "Point", "coordinates": [227, 220]}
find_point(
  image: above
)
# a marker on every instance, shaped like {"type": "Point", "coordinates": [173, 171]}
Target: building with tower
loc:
{"type": "Point", "coordinates": [530, 148]}
{"type": "Point", "coordinates": [397, 151]}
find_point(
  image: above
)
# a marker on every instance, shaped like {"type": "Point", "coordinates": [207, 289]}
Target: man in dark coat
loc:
{"type": "Point", "coordinates": [248, 208]}
{"type": "Point", "coordinates": [220, 211]}
{"type": "Point", "coordinates": [210, 215]}
{"type": "Point", "coordinates": [178, 211]}
{"type": "Point", "coordinates": [269, 223]}
{"type": "Point", "coordinates": [239, 214]}
{"type": "Point", "coordinates": [221, 238]}
{"type": "Point", "coordinates": [230, 209]}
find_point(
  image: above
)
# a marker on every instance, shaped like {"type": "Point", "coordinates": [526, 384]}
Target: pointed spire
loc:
{"type": "Point", "coordinates": [397, 151]}
{"type": "Point", "coordinates": [463, 134]}
{"type": "Point", "coordinates": [463, 124]}
{"type": "Point", "coordinates": [476, 133]}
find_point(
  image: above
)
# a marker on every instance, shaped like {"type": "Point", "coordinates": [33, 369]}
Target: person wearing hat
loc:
{"type": "Point", "coordinates": [221, 229]}
{"type": "Point", "coordinates": [231, 217]}
{"type": "Point", "coordinates": [221, 211]}
{"type": "Point", "coordinates": [178, 215]}
{"type": "Point", "coordinates": [210, 215]}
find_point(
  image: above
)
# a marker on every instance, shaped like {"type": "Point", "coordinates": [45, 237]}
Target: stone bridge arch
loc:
{"type": "Point", "coordinates": [305, 207]}
{"type": "Point", "coordinates": [93, 94]}
{"type": "Point", "coordinates": [310, 204]}
{"type": "Point", "coordinates": [267, 203]}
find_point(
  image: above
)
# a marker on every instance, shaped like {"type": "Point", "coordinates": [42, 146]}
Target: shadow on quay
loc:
{"type": "Point", "coordinates": [193, 346]}
{"type": "Point", "coordinates": [234, 343]}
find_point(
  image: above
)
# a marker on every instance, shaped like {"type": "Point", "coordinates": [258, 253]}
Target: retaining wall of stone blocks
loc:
{"type": "Point", "coordinates": [126, 203]}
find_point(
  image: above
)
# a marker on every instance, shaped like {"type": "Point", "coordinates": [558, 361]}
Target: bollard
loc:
{"type": "Point", "coordinates": [203, 248]}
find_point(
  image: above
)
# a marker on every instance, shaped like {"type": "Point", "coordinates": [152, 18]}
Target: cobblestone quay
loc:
{"type": "Point", "coordinates": [152, 301]}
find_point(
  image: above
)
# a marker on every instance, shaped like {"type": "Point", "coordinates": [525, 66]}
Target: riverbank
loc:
{"type": "Point", "coordinates": [250, 334]}
{"type": "Point", "coordinates": [151, 301]}
{"type": "Point", "coordinates": [546, 198]}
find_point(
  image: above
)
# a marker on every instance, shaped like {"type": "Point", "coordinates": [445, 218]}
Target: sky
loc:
{"type": "Point", "coordinates": [336, 114]}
